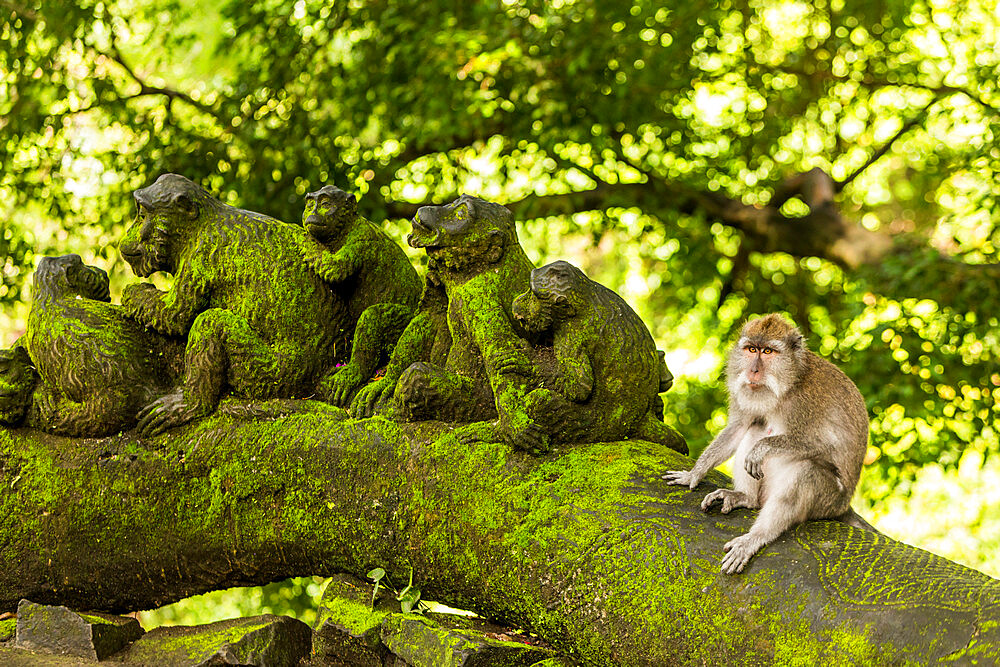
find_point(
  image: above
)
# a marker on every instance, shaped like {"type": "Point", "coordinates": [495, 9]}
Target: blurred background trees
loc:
{"type": "Point", "coordinates": [833, 159]}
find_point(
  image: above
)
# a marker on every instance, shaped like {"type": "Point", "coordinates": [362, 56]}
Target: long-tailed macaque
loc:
{"type": "Point", "coordinates": [799, 430]}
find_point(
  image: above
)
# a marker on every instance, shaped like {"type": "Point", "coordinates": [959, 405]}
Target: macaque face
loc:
{"type": "Point", "coordinates": [764, 364]}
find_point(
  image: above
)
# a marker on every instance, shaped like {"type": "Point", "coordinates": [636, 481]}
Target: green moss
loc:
{"type": "Point", "coordinates": [8, 627]}
{"type": "Point", "coordinates": [586, 547]}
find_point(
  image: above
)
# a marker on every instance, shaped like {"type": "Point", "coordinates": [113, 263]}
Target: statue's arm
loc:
{"type": "Point", "coordinates": [61, 415]}
{"type": "Point", "coordinates": [414, 344]}
{"type": "Point", "coordinates": [334, 266]}
{"type": "Point", "coordinates": [170, 312]}
{"type": "Point", "coordinates": [575, 379]}
{"type": "Point", "coordinates": [509, 368]}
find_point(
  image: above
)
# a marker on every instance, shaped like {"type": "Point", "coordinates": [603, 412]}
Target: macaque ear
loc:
{"type": "Point", "coordinates": [495, 240]}
{"type": "Point", "coordinates": [795, 341]}
{"type": "Point", "coordinates": [186, 205]}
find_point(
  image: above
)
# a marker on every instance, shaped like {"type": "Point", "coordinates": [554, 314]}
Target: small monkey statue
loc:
{"type": "Point", "coordinates": [799, 430]}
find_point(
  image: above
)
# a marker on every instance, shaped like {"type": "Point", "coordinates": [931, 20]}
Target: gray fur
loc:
{"type": "Point", "coordinates": [799, 430]}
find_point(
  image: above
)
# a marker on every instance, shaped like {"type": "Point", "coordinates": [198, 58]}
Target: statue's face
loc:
{"type": "Point", "coordinates": [533, 311]}
{"type": "Point", "coordinates": [144, 245]}
{"type": "Point", "coordinates": [328, 211]}
{"type": "Point", "coordinates": [465, 222]}
{"type": "Point", "coordinates": [163, 210]}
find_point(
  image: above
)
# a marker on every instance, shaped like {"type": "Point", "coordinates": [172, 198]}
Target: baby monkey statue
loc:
{"type": "Point", "coordinates": [799, 430]}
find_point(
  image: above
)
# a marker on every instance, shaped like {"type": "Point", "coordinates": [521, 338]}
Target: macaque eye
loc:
{"type": "Point", "coordinates": [752, 349]}
{"type": "Point", "coordinates": [767, 350]}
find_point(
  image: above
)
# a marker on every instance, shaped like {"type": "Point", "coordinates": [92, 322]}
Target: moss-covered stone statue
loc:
{"type": "Point", "coordinates": [370, 273]}
{"type": "Point", "coordinates": [472, 249]}
{"type": "Point", "coordinates": [604, 380]}
{"type": "Point", "coordinates": [97, 366]}
{"type": "Point", "coordinates": [426, 338]}
{"type": "Point", "coordinates": [18, 379]}
{"type": "Point", "coordinates": [259, 321]}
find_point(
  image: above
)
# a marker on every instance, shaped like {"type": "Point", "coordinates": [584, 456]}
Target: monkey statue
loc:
{"type": "Point", "coordinates": [370, 273]}
{"type": "Point", "coordinates": [259, 323]}
{"type": "Point", "coordinates": [606, 374]}
{"type": "Point", "coordinates": [97, 366]}
{"type": "Point", "coordinates": [18, 379]}
{"type": "Point", "coordinates": [799, 430]}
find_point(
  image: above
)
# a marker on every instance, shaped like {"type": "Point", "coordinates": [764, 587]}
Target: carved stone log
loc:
{"type": "Point", "coordinates": [584, 546]}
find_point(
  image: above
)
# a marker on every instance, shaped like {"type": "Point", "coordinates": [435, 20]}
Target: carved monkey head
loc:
{"type": "Point", "coordinates": [166, 210]}
{"type": "Point", "coordinates": [468, 221]}
{"type": "Point", "coordinates": [69, 276]}
{"type": "Point", "coordinates": [558, 291]}
{"type": "Point", "coordinates": [329, 212]}
{"type": "Point", "coordinates": [765, 362]}
{"type": "Point", "coordinates": [17, 383]}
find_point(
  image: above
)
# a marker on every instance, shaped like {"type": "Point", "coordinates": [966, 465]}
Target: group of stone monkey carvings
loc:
{"type": "Point", "coordinates": [333, 309]}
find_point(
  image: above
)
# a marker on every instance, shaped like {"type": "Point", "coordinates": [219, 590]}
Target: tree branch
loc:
{"type": "Point", "coordinates": [586, 547]}
{"type": "Point", "coordinates": [23, 12]}
{"type": "Point", "coordinates": [886, 147]}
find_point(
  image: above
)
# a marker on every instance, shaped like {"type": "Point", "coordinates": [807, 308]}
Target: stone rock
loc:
{"type": "Point", "coordinates": [61, 631]}
{"type": "Point", "coordinates": [262, 641]}
{"type": "Point", "coordinates": [15, 657]}
{"type": "Point", "coordinates": [420, 643]}
{"type": "Point", "coordinates": [348, 630]}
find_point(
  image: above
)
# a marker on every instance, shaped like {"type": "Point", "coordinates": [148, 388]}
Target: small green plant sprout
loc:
{"type": "Point", "coordinates": [376, 575]}
{"type": "Point", "coordinates": [409, 597]}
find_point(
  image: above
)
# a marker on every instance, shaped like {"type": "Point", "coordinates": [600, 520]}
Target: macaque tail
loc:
{"type": "Point", "coordinates": [852, 518]}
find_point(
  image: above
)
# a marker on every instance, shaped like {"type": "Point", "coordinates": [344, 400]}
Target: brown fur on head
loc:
{"type": "Point", "coordinates": [765, 362]}
{"type": "Point", "coordinates": [329, 211]}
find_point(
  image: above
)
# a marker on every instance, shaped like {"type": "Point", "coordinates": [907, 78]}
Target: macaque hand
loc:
{"type": "Point", "coordinates": [754, 462]}
{"type": "Point", "coordinates": [682, 478]}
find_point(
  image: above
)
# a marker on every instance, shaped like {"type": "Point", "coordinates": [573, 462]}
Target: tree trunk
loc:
{"type": "Point", "coordinates": [586, 546]}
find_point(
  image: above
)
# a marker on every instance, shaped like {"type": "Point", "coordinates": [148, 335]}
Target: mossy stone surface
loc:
{"type": "Point", "coordinates": [347, 627]}
{"type": "Point", "coordinates": [260, 641]}
{"type": "Point", "coordinates": [62, 631]}
{"type": "Point", "coordinates": [425, 644]}
{"type": "Point", "coordinates": [586, 546]}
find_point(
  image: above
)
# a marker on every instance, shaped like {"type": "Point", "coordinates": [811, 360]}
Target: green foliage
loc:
{"type": "Point", "coordinates": [298, 598]}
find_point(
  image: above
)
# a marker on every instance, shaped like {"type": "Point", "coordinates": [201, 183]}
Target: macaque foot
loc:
{"type": "Point", "coordinates": [370, 397]}
{"type": "Point", "coordinates": [337, 389]}
{"type": "Point", "coordinates": [681, 478]}
{"type": "Point", "coordinates": [730, 500]}
{"type": "Point", "coordinates": [739, 551]}
{"type": "Point", "coordinates": [167, 412]}
{"type": "Point", "coordinates": [531, 438]}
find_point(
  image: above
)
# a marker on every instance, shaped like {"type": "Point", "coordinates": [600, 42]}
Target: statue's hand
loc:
{"type": "Point", "coordinates": [529, 436]}
{"type": "Point", "coordinates": [167, 412]}
{"type": "Point", "coordinates": [477, 432]}
{"type": "Point", "coordinates": [136, 294]}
